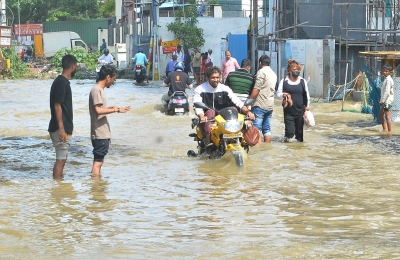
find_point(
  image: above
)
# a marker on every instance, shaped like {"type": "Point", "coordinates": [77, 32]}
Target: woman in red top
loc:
{"type": "Point", "coordinates": [22, 53]}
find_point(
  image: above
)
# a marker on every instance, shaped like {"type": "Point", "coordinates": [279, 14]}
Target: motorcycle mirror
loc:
{"type": "Point", "coordinates": [249, 101]}
{"type": "Point", "coordinates": [200, 105]}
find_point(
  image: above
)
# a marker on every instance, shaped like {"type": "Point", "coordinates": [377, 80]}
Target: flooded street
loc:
{"type": "Point", "coordinates": [335, 196]}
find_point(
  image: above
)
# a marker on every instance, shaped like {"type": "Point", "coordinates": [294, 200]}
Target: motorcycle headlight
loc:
{"type": "Point", "coordinates": [232, 125]}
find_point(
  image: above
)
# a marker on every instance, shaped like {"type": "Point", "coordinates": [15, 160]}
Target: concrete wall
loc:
{"type": "Point", "coordinates": [214, 30]}
{"type": "Point", "coordinates": [317, 60]}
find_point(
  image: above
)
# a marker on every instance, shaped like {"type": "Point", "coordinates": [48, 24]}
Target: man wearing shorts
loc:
{"type": "Point", "coordinates": [196, 65]}
{"type": "Point", "coordinates": [61, 122]}
{"type": "Point", "coordinates": [99, 126]}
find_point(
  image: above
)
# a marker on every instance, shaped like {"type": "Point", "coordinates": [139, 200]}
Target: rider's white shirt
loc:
{"type": "Point", "coordinates": [107, 59]}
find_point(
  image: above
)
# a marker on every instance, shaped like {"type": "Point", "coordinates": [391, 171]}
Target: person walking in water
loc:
{"type": "Point", "coordinates": [387, 97]}
{"type": "Point", "coordinates": [228, 65]}
{"type": "Point", "coordinates": [196, 65]}
{"type": "Point", "coordinates": [61, 123]}
{"type": "Point", "coordinates": [179, 54]}
{"type": "Point", "coordinates": [295, 87]}
{"type": "Point", "coordinates": [99, 127]}
{"type": "Point", "coordinates": [263, 93]}
{"type": "Point", "coordinates": [171, 65]}
{"type": "Point", "coordinates": [241, 81]}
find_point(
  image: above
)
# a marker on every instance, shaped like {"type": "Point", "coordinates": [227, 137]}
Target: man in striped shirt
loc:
{"type": "Point", "coordinates": [241, 81]}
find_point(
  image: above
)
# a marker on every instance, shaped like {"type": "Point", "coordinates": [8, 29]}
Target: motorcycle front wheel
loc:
{"type": "Point", "coordinates": [238, 159]}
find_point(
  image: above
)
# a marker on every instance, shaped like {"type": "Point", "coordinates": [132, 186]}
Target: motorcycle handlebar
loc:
{"type": "Point", "coordinates": [212, 119]}
{"type": "Point", "coordinates": [196, 121]}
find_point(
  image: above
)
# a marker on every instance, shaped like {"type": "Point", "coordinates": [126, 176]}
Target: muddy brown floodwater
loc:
{"type": "Point", "coordinates": [335, 196]}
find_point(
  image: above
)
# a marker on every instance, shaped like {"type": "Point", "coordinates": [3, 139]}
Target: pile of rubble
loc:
{"type": "Point", "coordinates": [42, 65]}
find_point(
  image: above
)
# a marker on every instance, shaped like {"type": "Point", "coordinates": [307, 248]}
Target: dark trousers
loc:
{"type": "Point", "coordinates": [294, 126]}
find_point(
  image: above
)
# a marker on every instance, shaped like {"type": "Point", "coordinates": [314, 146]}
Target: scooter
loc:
{"type": "Point", "coordinates": [139, 73]}
{"type": "Point", "coordinates": [98, 68]}
{"type": "Point", "coordinates": [178, 104]}
{"type": "Point", "coordinates": [226, 134]}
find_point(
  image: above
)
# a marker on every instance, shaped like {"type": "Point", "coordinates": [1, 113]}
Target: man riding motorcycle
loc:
{"type": "Point", "coordinates": [216, 96]}
{"type": "Point", "coordinates": [106, 57]}
{"type": "Point", "coordinates": [177, 81]}
{"type": "Point", "coordinates": [141, 59]}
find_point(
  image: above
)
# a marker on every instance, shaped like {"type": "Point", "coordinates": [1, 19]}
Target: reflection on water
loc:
{"type": "Point", "coordinates": [333, 196]}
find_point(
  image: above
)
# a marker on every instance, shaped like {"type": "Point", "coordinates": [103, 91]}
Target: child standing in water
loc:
{"type": "Point", "coordinates": [387, 96]}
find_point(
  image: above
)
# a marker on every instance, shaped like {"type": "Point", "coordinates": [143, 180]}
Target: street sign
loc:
{"type": "Point", "coordinates": [5, 36]}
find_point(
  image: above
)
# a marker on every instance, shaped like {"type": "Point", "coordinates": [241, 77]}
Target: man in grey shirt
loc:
{"type": "Point", "coordinates": [263, 93]}
{"type": "Point", "coordinates": [99, 127]}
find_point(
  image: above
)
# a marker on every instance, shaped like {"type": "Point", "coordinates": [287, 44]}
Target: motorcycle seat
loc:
{"type": "Point", "coordinates": [178, 93]}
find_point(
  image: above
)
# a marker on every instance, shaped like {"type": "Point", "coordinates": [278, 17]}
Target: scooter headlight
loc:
{"type": "Point", "coordinates": [232, 125]}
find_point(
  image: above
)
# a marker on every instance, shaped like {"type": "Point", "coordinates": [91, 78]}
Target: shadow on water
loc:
{"type": "Point", "coordinates": [382, 142]}
{"type": "Point", "coordinates": [361, 124]}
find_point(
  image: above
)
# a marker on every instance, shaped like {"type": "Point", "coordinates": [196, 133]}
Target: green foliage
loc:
{"type": "Point", "coordinates": [56, 15]}
{"type": "Point", "coordinates": [89, 58]}
{"type": "Point", "coordinates": [107, 9]}
{"type": "Point", "coordinates": [213, 2]}
{"type": "Point", "coordinates": [36, 11]}
{"type": "Point", "coordinates": [19, 69]}
{"type": "Point", "coordinates": [184, 27]}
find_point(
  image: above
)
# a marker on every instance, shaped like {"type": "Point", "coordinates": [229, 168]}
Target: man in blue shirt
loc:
{"type": "Point", "coordinates": [103, 45]}
{"type": "Point", "coordinates": [171, 65]}
{"type": "Point", "coordinates": [141, 59]}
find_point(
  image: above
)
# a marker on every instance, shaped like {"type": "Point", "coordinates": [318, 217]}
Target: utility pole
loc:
{"type": "Point", "coordinates": [155, 71]}
{"type": "Point", "coordinates": [254, 33]}
{"type": "Point", "coordinates": [3, 12]}
{"type": "Point", "coordinates": [19, 27]}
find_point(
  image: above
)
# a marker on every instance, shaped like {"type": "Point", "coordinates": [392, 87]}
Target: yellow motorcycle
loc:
{"type": "Point", "coordinates": [226, 134]}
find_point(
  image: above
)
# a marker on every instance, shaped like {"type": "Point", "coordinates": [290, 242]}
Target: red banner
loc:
{"type": "Point", "coordinates": [168, 50]}
{"type": "Point", "coordinates": [29, 29]}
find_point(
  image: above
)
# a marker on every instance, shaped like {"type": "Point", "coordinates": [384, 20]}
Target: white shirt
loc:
{"type": "Point", "coordinates": [108, 59]}
{"type": "Point", "coordinates": [387, 91]}
{"type": "Point", "coordinates": [279, 92]}
{"type": "Point", "coordinates": [179, 55]}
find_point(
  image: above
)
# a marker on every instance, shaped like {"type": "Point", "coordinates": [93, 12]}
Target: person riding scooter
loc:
{"type": "Point", "coordinates": [106, 57]}
{"type": "Point", "coordinates": [177, 80]}
{"type": "Point", "coordinates": [141, 59]}
{"type": "Point", "coordinates": [216, 96]}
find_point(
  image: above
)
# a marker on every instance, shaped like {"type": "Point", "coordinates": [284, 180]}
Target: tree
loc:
{"type": "Point", "coordinates": [184, 27]}
{"type": "Point", "coordinates": [37, 11]}
{"type": "Point", "coordinates": [107, 9]}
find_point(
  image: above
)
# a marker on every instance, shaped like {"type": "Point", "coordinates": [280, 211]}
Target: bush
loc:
{"type": "Point", "coordinates": [18, 69]}
{"type": "Point", "coordinates": [89, 58]}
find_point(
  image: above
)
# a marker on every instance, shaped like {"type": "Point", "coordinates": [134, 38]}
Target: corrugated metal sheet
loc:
{"type": "Point", "coordinates": [238, 46]}
{"type": "Point", "coordinates": [87, 29]}
{"type": "Point", "coordinates": [231, 5]}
